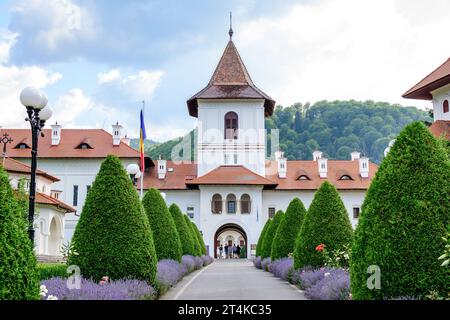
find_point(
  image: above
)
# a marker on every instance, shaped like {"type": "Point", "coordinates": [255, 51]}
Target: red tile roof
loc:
{"type": "Point", "coordinates": [42, 198]}
{"type": "Point", "coordinates": [184, 176]}
{"type": "Point", "coordinates": [231, 175]}
{"type": "Point", "coordinates": [230, 80]}
{"type": "Point", "coordinates": [100, 141]}
{"type": "Point", "coordinates": [441, 129]}
{"type": "Point", "coordinates": [15, 166]}
{"type": "Point", "coordinates": [436, 79]}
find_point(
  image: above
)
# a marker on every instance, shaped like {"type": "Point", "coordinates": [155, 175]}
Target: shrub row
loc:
{"type": "Point", "coordinates": [52, 270]}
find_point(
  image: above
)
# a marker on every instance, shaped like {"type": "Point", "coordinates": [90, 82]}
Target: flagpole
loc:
{"type": "Point", "coordinates": [143, 169]}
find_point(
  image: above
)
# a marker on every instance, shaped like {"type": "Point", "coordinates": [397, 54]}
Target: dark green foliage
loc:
{"type": "Point", "coordinates": [165, 234]}
{"type": "Point", "coordinates": [403, 220]}
{"type": "Point", "coordinates": [197, 246]}
{"type": "Point", "coordinates": [266, 248]}
{"type": "Point", "coordinates": [187, 243]}
{"type": "Point", "coordinates": [326, 222]}
{"type": "Point", "coordinates": [284, 241]}
{"type": "Point", "coordinates": [200, 238]}
{"type": "Point", "coordinates": [334, 127]}
{"type": "Point", "coordinates": [18, 273]}
{"type": "Point", "coordinates": [260, 242]}
{"type": "Point", "coordinates": [113, 236]}
{"type": "Point", "coordinates": [52, 270]}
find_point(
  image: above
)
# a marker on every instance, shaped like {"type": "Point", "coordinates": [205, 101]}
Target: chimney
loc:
{"type": "Point", "coordinates": [323, 167]}
{"type": "Point", "coordinates": [162, 168]}
{"type": "Point", "coordinates": [117, 133]}
{"type": "Point", "coordinates": [56, 134]}
{"type": "Point", "coordinates": [364, 167]}
{"type": "Point", "coordinates": [355, 155]}
{"type": "Point", "coordinates": [317, 155]}
{"type": "Point", "coordinates": [126, 140]}
{"type": "Point", "coordinates": [282, 164]}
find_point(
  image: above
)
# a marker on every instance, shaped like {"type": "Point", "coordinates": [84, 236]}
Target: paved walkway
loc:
{"type": "Point", "coordinates": [234, 280]}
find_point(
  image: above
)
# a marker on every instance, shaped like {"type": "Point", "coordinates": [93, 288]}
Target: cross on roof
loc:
{"type": "Point", "coordinates": [5, 140]}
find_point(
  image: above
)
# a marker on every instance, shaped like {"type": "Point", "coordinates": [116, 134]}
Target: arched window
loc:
{"type": "Point", "coordinates": [445, 106]}
{"type": "Point", "coordinates": [231, 125]}
{"type": "Point", "coordinates": [303, 177]}
{"type": "Point", "coordinates": [216, 204]}
{"type": "Point", "coordinates": [346, 177]}
{"type": "Point", "coordinates": [231, 203]}
{"type": "Point", "coordinates": [245, 204]}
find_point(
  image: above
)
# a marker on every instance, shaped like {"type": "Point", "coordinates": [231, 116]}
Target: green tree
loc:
{"type": "Point", "coordinates": [165, 234]}
{"type": "Point", "coordinates": [266, 249]}
{"type": "Point", "coordinates": [199, 238]}
{"type": "Point", "coordinates": [18, 271]}
{"type": "Point", "coordinates": [259, 244]}
{"type": "Point", "coordinates": [404, 216]}
{"type": "Point", "coordinates": [113, 235]}
{"type": "Point", "coordinates": [326, 222]}
{"type": "Point", "coordinates": [187, 243]}
{"type": "Point", "coordinates": [193, 235]}
{"type": "Point", "coordinates": [286, 235]}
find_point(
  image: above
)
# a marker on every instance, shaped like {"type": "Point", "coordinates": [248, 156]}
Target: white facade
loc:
{"type": "Point", "coordinates": [439, 97]}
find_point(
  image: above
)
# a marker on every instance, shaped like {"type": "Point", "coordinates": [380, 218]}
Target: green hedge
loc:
{"type": "Point", "coordinates": [200, 238]}
{"type": "Point", "coordinates": [403, 219]}
{"type": "Point", "coordinates": [113, 236]}
{"type": "Point", "coordinates": [165, 234]}
{"type": "Point", "coordinates": [187, 243]}
{"type": "Point", "coordinates": [193, 235]}
{"type": "Point", "coordinates": [284, 240]}
{"type": "Point", "coordinates": [18, 272]}
{"type": "Point", "coordinates": [326, 222]}
{"type": "Point", "coordinates": [52, 270]}
{"type": "Point", "coordinates": [260, 242]}
{"type": "Point", "coordinates": [270, 234]}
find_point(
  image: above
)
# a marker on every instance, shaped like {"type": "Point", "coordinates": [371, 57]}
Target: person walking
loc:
{"type": "Point", "coordinates": [238, 251]}
{"type": "Point", "coordinates": [234, 250]}
{"type": "Point", "coordinates": [220, 251]}
{"type": "Point", "coordinates": [226, 251]}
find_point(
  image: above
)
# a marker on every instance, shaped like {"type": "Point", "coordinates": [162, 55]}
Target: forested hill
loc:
{"type": "Point", "coordinates": [336, 128]}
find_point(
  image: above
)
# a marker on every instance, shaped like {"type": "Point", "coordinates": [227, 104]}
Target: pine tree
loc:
{"type": "Point", "coordinates": [193, 235]}
{"type": "Point", "coordinates": [18, 271]}
{"type": "Point", "coordinates": [270, 234]}
{"type": "Point", "coordinates": [284, 240]}
{"type": "Point", "coordinates": [200, 238]}
{"type": "Point", "coordinates": [187, 243]}
{"type": "Point", "coordinates": [165, 234]}
{"type": "Point", "coordinates": [403, 219]}
{"type": "Point", "coordinates": [113, 236]}
{"type": "Point", "coordinates": [326, 222]}
{"type": "Point", "coordinates": [260, 242]}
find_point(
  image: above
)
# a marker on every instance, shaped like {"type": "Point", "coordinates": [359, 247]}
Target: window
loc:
{"type": "Point", "coordinates": [190, 212]}
{"type": "Point", "coordinates": [271, 212]}
{"type": "Point", "coordinates": [22, 145]}
{"type": "Point", "coordinates": [356, 212]}
{"type": "Point", "coordinates": [245, 204]}
{"type": "Point", "coordinates": [303, 177]}
{"type": "Point", "coordinates": [84, 146]}
{"type": "Point", "coordinates": [346, 177]}
{"type": "Point", "coordinates": [88, 187]}
{"type": "Point", "coordinates": [445, 106]}
{"type": "Point", "coordinates": [216, 204]}
{"type": "Point", "coordinates": [75, 196]}
{"type": "Point", "coordinates": [231, 204]}
{"type": "Point", "coordinates": [231, 125]}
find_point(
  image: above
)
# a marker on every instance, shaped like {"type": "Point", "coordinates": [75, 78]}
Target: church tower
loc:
{"type": "Point", "coordinates": [230, 112]}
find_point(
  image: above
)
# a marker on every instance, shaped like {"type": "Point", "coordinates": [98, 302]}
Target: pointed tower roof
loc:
{"type": "Point", "coordinates": [230, 80]}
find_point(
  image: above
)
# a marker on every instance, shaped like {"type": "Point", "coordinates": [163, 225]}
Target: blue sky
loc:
{"type": "Point", "coordinates": [97, 60]}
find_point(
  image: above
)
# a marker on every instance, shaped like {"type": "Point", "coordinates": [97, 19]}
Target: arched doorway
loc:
{"type": "Point", "coordinates": [54, 241]}
{"type": "Point", "coordinates": [230, 232]}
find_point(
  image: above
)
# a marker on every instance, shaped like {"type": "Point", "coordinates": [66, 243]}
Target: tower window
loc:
{"type": "Point", "coordinates": [231, 204]}
{"type": "Point", "coordinates": [271, 212]}
{"type": "Point", "coordinates": [231, 125]}
{"type": "Point", "coordinates": [245, 204]}
{"type": "Point", "coordinates": [216, 204]}
{"type": "Point", "coordinates": [356, 211]}
{"type": "Point", "coordinates": [445, 106]}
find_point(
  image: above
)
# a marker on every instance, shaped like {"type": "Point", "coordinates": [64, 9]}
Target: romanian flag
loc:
{"type": "Point", "coordinates": [142, 138]}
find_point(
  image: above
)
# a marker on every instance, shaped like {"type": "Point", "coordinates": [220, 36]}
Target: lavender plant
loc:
{"type": "Point", "coordinates": [265, 264]}
{"type": "Point", "coordinates": [335, 285]}
{"type": "Point", "coordinates": [282, 268]}
{"type": "Point", "coordinates": [257, 262]}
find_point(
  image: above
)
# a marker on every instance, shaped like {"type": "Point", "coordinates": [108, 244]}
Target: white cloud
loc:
{"type": "Point", "coordinates": [108, 76]}
{"type": "Point", "coordinates": [7, 40]}
{"type": "Point", "coordinates": [69, 106]}
{"type": "Point", "coordinates": [346, 49]}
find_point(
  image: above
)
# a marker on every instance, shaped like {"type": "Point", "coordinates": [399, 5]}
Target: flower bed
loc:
{"type": "Point", "coordinates": [169, 272]}
{"type": "Point", "coordinates": [257, 262]}
{"type": "Point", "coordinates": [265, 264]}
{"type": "Point", "coordinates": [282, 268]}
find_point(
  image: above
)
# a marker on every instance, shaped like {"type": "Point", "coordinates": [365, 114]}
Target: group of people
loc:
{"type": "Point", "coordinates": [229, 251]}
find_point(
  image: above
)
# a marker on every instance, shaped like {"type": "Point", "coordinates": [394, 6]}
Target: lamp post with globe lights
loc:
{"type": "Point", "coordinates": [134, 172]}
{"type": "Point", "coordinates": [35, 102]}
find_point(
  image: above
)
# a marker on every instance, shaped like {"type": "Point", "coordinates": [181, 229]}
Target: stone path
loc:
{"type": "Point", "coordinates": [234, 280]}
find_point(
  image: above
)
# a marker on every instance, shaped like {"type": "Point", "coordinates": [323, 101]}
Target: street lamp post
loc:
{"type": "Point", "coordinates": [134, 172]}
{"type": "Point", "coordinates": [35, 102]}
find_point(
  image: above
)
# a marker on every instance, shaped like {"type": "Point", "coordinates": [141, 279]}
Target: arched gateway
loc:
{"type": "Point", "coordinates": [230, 232]}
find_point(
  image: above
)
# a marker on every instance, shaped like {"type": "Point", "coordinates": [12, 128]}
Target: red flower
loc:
{"type": "Point", "coordinates": [320, 247]}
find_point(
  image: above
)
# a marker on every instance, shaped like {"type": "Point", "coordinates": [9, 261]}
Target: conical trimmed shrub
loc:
{"type": "Point", "coordinates": [187, 243]}
{"type": "Point", "coordinates": [113, 236]}
{"type": "Point", "coordinates": [326, 222]}
{"type": "Point", "coordinates": [270, 234]}
{"type": "Point", "coordinates": [197, 246]}
{"type": "Point", "coordinates": [259, 244]}
{"type": "Point", "coordinates": [18, 271]}
{"type": "Point", "coordinates": [200, 238]}
{"type": "Point", "coordinates": [165, 234]}
{"type": "Point", "coordinates": [284, 241]}
{"type": "Point", "coordinates": [403, 219]}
